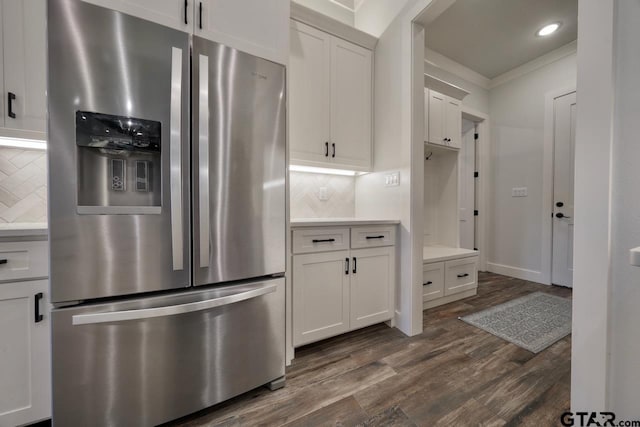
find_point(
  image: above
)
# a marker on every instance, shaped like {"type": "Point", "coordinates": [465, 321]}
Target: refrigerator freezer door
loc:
{"type": "Point", "coordinates": [239, 164]}
{"type": "Point", "coordinates": [148, 361]}
{"type": "Point", "coordinates": [118, 153]}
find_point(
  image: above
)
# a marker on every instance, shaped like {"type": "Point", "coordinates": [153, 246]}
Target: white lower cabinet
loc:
{"type": "Point", "coordinates": [320, 296]}
{"type": "Point", "coordinates": [432, 281]}
{"type": "Point", "coordinates": [372, 277]}
{"type": "Point", "coordinates": [25, 388]}
{"type": "Point", "coordinates": [449, 280]}
{"type": "Point", "coordinates": [336, 291]}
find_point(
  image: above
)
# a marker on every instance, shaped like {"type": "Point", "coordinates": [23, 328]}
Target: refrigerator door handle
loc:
{"type": "Point", "coordinates": [175, 156]}
{"type": "Point", "coordinates": [172, 310]}
{"type": "Point", "coordinates": [203, 160]}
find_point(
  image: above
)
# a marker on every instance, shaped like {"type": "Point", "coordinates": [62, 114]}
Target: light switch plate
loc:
{"type": "Point", "coordinates": [323, 194]}
{"type": "Point", "coordinates": [519, 192]}
{"type": "Point", "coordinates": [392, 179]}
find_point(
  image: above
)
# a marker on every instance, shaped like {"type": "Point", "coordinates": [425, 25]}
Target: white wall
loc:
{"type": "Point", "coordinates": [517, 112]}
{"type": "Point", "coordinates": [592, 264]}
{"type": "Point", "coordinates": [625, 289]}
{"type": "Point", "coordinates": [330, 9]}
{"type": "Point", "coordinates": [374, 16]}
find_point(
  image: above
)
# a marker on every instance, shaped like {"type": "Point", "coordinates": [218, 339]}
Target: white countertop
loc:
{"type": "Point", "coordinates": [23, 229]}
{"type": "Point", "coordinates": [324, 222]}
{"type": "Point", "coordinates": [443, 253]}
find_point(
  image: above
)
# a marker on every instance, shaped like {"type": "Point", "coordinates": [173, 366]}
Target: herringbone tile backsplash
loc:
{"type": "Point", "coordinates": [23, 185]}
{"type": "Point", "coordinates": [305, 192]}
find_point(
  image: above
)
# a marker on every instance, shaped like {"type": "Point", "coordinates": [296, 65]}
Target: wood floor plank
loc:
{"type": "Point", "coordinates": [345, 412]}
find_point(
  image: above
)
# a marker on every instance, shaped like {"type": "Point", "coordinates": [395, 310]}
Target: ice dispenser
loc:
{"type": "Point", "coordinates": [119, 164]}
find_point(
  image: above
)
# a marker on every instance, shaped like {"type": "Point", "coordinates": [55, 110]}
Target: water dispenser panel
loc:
{"type": "Point", "coordinates": [119, 164]}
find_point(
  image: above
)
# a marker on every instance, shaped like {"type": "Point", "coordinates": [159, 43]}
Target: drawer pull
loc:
{"type": "Point", "coordinates": [323, 240]}
{"type": "Point", "coordinates": [460, 276]}
{"type": "Point", "coordinates": [38, 317]}
{"type": "Point", "coordinates": [375, 237]}
{"type": "Point", "coordinates": [428, 283]}
{"type": "Point", "coordinates": [4, 261]}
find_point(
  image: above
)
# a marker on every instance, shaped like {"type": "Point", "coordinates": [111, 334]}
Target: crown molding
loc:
{"type": "Point", "coordinates": [445, 63]}
{"type": "Point", "coordinates": [539, 62]}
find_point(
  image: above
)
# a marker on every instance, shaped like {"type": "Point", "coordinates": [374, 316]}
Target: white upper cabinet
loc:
{"type": "Point", "coordinates": [435, 117]}
{"type": "Point", "coordinates": [443, 114]}
{"type": "Point", "coordinates": [330, 98]}
{"type": "Point", "coordinates": [453, 123]}
{"type": "Point", "coordinates": [309, 100]}
{"type": "Point", "coordinates": [24, 104]}
{"type": "Point", "coordinates": [178, 14]}
{"type": "Point", "coordinates": [258, 27]}
{"type": "Point", "coordinates": [350, 105]}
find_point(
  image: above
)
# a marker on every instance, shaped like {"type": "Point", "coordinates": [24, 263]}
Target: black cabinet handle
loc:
{"type": "Point", "coordinates": [326, 149]}
{"type": "Point", "coordinates": [355, 265]}
{"type": "Point", "coordinates": [346, 269]}
{"type": "Point", "coordinates": [374, 237]}
{"type": "Point", "coordinates": [460, 276]}
{"type": "Point", "coordinates": [186, 6]}
{"type": "Point", "coordinates": [428, 283]}
{"type": "Point", "coordinates": [38, 317]}
{"type": "Point", "coordinates": [11, 98]}
{"type": "Point", "coordinates": [4, 261]}
{"type": "Point", "coordinates": [200, 15]}
{"type": "Point", "coordinates": [323, 240]}
{"type": "Point", "coordinates": [334, 150]}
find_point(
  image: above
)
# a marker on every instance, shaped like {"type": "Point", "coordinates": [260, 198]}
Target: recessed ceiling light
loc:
{"type": "Point", "coordinates": [548, 29]}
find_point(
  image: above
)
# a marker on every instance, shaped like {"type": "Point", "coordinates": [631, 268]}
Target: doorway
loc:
{"type": "Point", "coordinates": [564, 136]}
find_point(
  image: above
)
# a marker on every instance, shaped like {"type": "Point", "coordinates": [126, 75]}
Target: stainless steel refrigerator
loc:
{"type": "Point", "coordinates": [167, 219]}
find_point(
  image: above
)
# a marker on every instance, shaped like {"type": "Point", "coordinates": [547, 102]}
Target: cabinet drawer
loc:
{"type": "Point", "coordinates": [461, 275]}
{"type": "Point", "coordinates": [308, 240]}
{"type": "Point", "coordinates": [370, 237]}
{"type": "Point", "coordinates": [24, 260]}
{"type": "Point", "coordinates": [432, 281]}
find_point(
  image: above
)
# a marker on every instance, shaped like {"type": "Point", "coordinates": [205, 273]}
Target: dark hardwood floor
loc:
{"type": "Point", "coordinates": [453, 374]}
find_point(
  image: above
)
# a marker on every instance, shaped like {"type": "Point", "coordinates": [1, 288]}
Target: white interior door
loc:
{"type": "Point", "coordinates": [467, 185]}
{"type": "Point", "coordinates": [563, 184]}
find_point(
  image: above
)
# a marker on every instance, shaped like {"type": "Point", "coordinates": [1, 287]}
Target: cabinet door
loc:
{"type": "Point", "coordinates": [320, 296]}
{"type": "Point", "coordinates": [24, 44]}
{"type": "Point", "coordinates": [372, 286]}
{"type": "Point", "coordinates": [176, 14]}
{"type": "Point", "coordinates": [453, 123]}
{"type": "Point", "coordinates": [437, 111]}
{"type": "Point", "coordinates": [351, 108]}
{"type": "Point", "coordinates": [25, 395]}
{"type": "Point", "coordinates": [257, 27]}
{"type": "Point", "coordinates": [309, 95]}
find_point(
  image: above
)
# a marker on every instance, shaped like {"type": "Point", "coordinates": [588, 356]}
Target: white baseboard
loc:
{"type": "Point", "coordinates": [518, 273]}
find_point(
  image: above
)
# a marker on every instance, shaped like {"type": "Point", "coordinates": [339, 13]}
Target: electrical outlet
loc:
{"type": "Point", "coordinates": [392, 179]}
{"type": "Point", "coordinates": [323, 194]}
{"type": "Point", "coordinates": [519, 192]}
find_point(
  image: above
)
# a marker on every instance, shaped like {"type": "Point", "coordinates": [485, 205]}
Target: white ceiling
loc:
{"type": "Point", "coordinates": [492, 37]}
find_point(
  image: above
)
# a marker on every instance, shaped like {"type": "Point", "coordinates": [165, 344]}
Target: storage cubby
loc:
{"type": "Point", "coordinates": [441, 223]}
